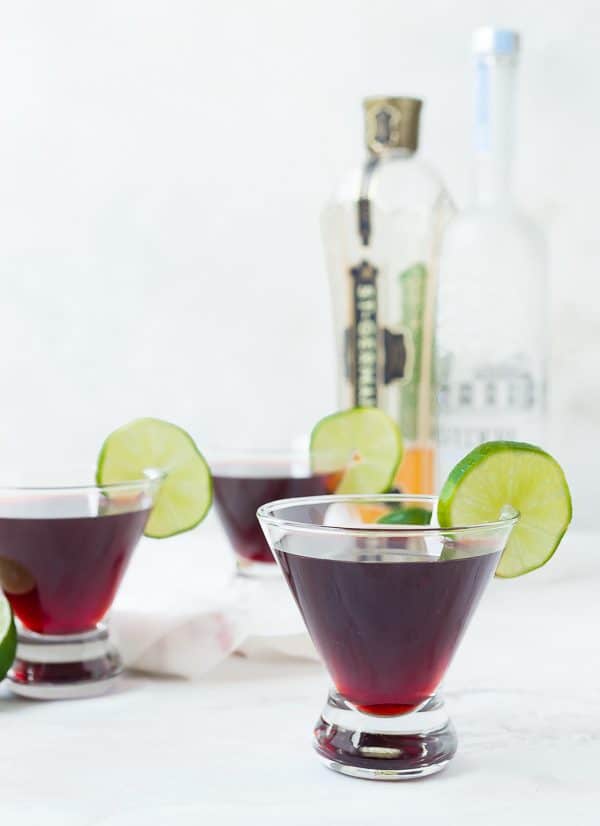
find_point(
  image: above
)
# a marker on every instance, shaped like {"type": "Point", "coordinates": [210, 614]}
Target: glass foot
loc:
{"type": "Point", "coordinates": [373, 747]}
{"type": "Point", "coordinates": [66, 667]}
{"type": "Point", "coordinates": [253, 569]}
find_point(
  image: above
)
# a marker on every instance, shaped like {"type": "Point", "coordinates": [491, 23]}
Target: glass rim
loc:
{"type": "Point", "coordinates": [234, 461]}
{"type": "Point", "coordinates": [266, 515]}
{"type": "Point", "coordinates": [152, 476]}
{"type": "Point", "coordinates": [252, 450]}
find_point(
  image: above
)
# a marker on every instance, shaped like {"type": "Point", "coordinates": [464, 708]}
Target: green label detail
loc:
{"type": "Point", "coordinates": [413, 287]}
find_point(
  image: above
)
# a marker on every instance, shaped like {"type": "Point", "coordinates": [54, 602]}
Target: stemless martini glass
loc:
{"type": "Point", "coordinates": [63, 553]}
{"type": "Point", "coordinates": [245, 478]}
{"type": "Point", "coordinates": [386, 607]}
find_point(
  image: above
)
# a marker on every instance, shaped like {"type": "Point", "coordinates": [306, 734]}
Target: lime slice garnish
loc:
{"type": "Point", "coordinates": [8, 637]}
{"type": "Point", "coordinates": [363, 446]}
{"type": "Point", "coordinates": [406, 516]}
{"type": "Point", "coordinates": [500, 475]}
{"type": "Point", "coordinates": [185, 494]}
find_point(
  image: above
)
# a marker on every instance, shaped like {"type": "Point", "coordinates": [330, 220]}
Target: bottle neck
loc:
{"type": "Point", "coordinates": [495, 79]}
{"type": "Point", "coordinates": [392, 153]}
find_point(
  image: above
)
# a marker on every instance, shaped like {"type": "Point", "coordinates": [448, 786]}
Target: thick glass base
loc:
{"type": "Point", "coordinates": [373, 747]}
{"type": "Point", "coordinates": [65, 667]}
{"type": "Point", "coordinates": [257, 570]}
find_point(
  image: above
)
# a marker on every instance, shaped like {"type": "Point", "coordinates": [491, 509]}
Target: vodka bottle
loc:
{"type": "Point", "coordinates": [381, 233]}
{"type": "Point", "coordinates": [491, 348]}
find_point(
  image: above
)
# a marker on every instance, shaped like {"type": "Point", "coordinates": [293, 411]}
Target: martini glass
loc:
{"type": "Point", "coordinates": [63, 554]}
{"type": "Point", "coordinates": [244, 479]}
{"type": "Point", "coordinates": [386, 607]}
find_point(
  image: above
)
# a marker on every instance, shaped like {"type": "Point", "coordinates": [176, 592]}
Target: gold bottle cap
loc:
{"type": "Point", "coordinates": [391, 123]}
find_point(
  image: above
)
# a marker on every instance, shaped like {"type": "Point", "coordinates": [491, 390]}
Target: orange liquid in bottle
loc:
{"type": "Point", "coordinates": [417, 471]}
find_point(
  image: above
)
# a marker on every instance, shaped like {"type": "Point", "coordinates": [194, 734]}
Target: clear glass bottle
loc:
{"type": "Point", "coordinates": [491, 320]}
{"type": "Point", "coordinates": [382, 232]}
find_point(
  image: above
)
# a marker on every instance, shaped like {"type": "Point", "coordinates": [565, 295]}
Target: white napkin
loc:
{"type": "Point", "coordinates": [181, 610]}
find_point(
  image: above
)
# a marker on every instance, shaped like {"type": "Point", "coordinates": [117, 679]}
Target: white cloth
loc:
{"type": "Point", "coordinates": [181, 610]}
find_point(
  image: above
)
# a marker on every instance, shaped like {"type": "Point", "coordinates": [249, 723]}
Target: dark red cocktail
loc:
{"type": "Point", "coordinates": [386, 605]}
{"type": "Point", "coordinates": [240, 488]}
{"type": "Point", "coordinates": [387, 631]}
{"type": "Point", "coordinates": [61, 574]}
{"type": "Point", "coordinates": [63, 554]}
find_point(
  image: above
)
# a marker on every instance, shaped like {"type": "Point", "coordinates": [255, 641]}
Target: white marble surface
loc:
{"type": "Point", "coordinates": [234, 747]}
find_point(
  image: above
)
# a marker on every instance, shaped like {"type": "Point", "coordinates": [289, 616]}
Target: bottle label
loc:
{"type": "Point", "coordinates": [489, 402]}
{"type": "Point", "coordinates": [505, 388]}
{"type": "Point", "coordinates": [373, 355]}
{"type": "Point", "coordinates": [362, 335]}
{"type": "Point", "coordinates": [396, 356]}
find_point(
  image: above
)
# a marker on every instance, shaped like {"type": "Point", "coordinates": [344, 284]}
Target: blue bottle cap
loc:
{"type": "Point", "coordinates": [491, 41]}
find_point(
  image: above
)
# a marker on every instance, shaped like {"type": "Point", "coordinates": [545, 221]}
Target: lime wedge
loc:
{"type": "Point", "coordinates": [514, 474]}
{"type": "Point", "coordinates": [185, 495]}
{"type": "Point", "coordinates": [362, 446]}
{"type": "Point", "coordinates": [8, 637]}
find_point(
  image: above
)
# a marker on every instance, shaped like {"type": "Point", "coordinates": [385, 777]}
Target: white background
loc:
{"type": "Point", "coordinates": [162, 167]}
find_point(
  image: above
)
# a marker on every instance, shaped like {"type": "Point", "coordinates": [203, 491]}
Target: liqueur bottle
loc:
{"type": "Point", "coordinates": [382, 233]}
{"type": "Point", "coordinates": [491, 353]}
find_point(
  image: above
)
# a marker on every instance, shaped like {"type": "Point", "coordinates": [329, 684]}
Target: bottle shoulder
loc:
{"type": "Point", "coordinates": [497, 218]}
{"type": "Point", "coordinates": [502, 228]}
{"type": "Point", "coordinates": [392, 183]}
